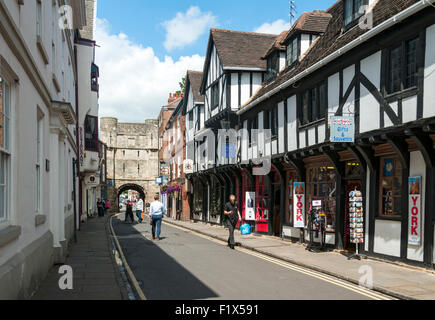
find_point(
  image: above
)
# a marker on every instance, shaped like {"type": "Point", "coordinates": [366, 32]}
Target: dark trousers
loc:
{"type": "Point", "coordinates": [231, 228]}
{"type": "Point", "coordinates": [129, 214]}
{"type": "Point", "coordinates": [156, 227]}
{"type": "Point", "coordinates": [100, 212]}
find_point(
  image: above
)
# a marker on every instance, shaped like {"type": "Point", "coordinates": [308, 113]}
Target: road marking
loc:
{"type": "Point", "coordinates": [124, 260]}
{"type": "Point", "coordinates": [347, 285]}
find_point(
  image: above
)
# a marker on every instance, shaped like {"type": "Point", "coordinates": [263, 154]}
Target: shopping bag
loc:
{"type": "Point", "coordinates": [245, 229]}
{"type": "Point", "coordinates": [143, 215]}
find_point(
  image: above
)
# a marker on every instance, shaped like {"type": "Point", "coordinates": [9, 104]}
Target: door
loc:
{"type": "Point", "coordinates": [350, 186]}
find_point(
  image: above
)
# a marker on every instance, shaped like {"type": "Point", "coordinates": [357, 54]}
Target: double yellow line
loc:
{"type": "Point", "coordinates": [124, 261]}
{"type": "Point", "coordinates": [349, 286]}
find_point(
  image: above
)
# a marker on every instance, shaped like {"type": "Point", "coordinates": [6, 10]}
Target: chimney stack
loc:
{"type": "Point", "coordinates": [175, 96]}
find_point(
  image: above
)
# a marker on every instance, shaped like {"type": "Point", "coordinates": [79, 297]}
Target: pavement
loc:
{"type": "Point", "coordinates": [401, 282]}
{"type": "Point", "coordinates": [187, 266]}
{"type": "Point", "coordinates": [95, 274]}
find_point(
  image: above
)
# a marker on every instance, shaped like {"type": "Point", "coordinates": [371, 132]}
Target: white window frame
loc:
{"type": "Point", "coordinates": [6, 152]}
{"type": "Point", "coordinates": [38, 160]}
{"type": "Point", "coordinates": [39, 20]}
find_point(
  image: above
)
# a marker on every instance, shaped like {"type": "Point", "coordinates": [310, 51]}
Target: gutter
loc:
{"type": "Point", "coordinates": [366, 36]}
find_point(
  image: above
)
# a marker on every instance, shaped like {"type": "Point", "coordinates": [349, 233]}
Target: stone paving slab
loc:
{"type": "Point", "coordinates": [395, 280]}
{"type": "Point", "coordinates": [94, 274]}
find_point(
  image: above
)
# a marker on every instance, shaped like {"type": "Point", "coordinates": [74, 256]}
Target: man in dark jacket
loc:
{"type": "Point", "coordinates": [233, 216]}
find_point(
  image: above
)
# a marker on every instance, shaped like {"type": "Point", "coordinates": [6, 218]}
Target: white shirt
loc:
{"type": "Point", "coordinates": [157, 209]}
{"type": "Point", "coordinates": [139, 205]}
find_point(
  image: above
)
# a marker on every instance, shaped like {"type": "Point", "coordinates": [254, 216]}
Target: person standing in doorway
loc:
{"type": "Point", "coordinates": [139, 208]}
{"type": "Point", "coordinates": [157, 210]}
{"type": "Point", "coordinates": [233, 217]}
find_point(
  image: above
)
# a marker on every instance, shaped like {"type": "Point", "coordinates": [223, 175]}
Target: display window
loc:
{"type": "Point", "coordinates": [197, 198]}
{"type": "Point", "coordinates": [390, 188]}
{"type": "Point", "coordinates": [321, 185]}
{"type": "Point", "coordinates": [262, 190]}
{"type": "Point", "coordinates": [245, 188]}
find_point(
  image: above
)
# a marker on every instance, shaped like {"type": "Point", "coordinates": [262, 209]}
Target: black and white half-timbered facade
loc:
{"type": "Point", "coordinates": [373, 61]}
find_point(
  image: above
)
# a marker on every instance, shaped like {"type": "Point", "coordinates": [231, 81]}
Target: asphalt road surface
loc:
{"type": "Point", "coordinates": [185, 266]}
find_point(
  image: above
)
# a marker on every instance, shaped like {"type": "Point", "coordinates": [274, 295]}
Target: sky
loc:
{"type": "Point", "coordinates": [145, 47]}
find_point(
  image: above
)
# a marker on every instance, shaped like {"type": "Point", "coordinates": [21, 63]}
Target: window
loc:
{"type": "Point", "coordinates": [39, 154]}
{"type": "Point", "coordinates": [5, 134]}
{"type": "Point", "coordinates": [191, 119]}
{"type": "Point", "coordinates": [293, 51]}
{"type": "Point", "coordinates": [402, 68]}
{"type": "Point", "coordinates": [91, 133]}
{"type": "Point", "coordinates": [321, 185]}
{"type": "Point", "coordinates": [352, 10]}
{"type": "Point", "coordinates": [313, 104]}
{"type": "Point", "coordinates": [94, 78]}
{"type": "Point", "coordinates": [215, 96]}
{"type": "Point", "coordinates": [262, 205]}
{"type": "Point", "coordinates": [39, 18]}
{"type": "Point", "coordinates": [272, 65]}
{"type": "Point", "coordinates": [271, 121]}
{"type": "Point", "coordinates": [253, 125]}
{"type": "Point", "coordinates": [390, 188]}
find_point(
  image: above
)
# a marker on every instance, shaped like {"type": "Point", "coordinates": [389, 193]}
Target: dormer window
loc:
{"type": "Point", "coordinates": [353, 9]}
{"type": "Point", "coordinates": [272, 65]}
{"type": "Point", "coordinates": [293, 51]}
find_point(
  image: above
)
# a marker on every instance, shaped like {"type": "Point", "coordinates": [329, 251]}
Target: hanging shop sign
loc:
{"type": "Point", "coordinates": [299, 206]}
{"type": "Point", "coordinates": [250, 206]}
{"type": "Point", "coordinates": [415, 216]}
{"type": "Point", "coordinates": [188, 166]}
{"type": "Point", "coordinates": [229, 151]}
{"type": "Point", "coordinates": [342, 129]}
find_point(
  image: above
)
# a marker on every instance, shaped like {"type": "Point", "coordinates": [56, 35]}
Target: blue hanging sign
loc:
{"type": "Point", "coordinates": [342, 129]}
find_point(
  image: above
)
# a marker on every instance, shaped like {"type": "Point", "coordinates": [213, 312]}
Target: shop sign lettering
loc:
{"type": "Point", "coordinates": [415, 216]}
{"type": "Point", "coordinates": [299, 208]}
{"type": "Point", "coordinates": [342, 129]}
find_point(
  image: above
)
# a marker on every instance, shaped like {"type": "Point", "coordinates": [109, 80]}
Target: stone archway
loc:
{"type": "Point", "coordinates": [130, 186]}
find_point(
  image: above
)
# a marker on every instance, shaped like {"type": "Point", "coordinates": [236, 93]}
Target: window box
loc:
{"type": "Point", "coordinates": [9, 235]}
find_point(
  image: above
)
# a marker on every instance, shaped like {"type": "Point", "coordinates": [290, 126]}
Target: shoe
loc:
{"type": "Point", "coordinates": [154, 238]}
{"type": "Point", "coordinates": [158, 239]}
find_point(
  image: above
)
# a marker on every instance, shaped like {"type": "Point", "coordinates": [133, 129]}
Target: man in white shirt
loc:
{"type": "Point", "coordinates": [139, 208]}
{"type": "Point", "coordinates": [157, 210]}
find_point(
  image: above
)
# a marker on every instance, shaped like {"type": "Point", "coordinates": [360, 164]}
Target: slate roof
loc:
{"type": "Point", "coordinates": [242, 49]}
{"type": "Point", "coordinates": [335, 38]}
{"type": "Point", "coordinates": [195, 79]}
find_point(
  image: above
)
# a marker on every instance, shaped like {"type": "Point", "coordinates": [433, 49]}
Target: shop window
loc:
{"type": "Point", "coordinates": [215, 198]}
{"type": "Point", "coordinates": [321, 185]}
{"type": "Point", "coordinates": [262, 191]}
{"type": "Point", "coordinates": [402, 67]}
{"type": "Point", "coordinates": [390, 188]}
{"type": "Point", "coordinates": [91, 133]}
{"type": "Point", "coordinates": [197, 198]}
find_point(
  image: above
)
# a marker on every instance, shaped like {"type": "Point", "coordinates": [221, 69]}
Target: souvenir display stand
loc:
{"type": "Point", "coordinates": [356, 218]}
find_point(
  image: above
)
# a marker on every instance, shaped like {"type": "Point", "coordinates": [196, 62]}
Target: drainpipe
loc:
{"type": "Point", "coordinates": [77, 138]}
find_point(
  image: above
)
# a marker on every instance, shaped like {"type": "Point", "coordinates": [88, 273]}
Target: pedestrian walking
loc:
{"type": "Point", "coordinates": [107, 206]}
{"type": "Point", "coordinates": [129, 212]}
{"type": "Point", "coordinates": [139, 209]}
{"type": "Point", "coordinates": [233, 216]}
{"type": "Point", "coordinates": [157, 210]}
{"type": "Point", "coordinates": [100, 207]}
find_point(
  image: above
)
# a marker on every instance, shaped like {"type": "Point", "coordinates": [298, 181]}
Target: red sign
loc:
{"type": "Point", "coordinates": [415, 216]}
{"type": "Point", "coordinates": [299, 207]}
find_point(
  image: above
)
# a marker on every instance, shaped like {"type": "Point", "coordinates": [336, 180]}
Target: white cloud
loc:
{"type": "Point", "coordinates": [134, 83]}
{"type": "Point", "coordinates": [275, 27]}
{"type": "Point", "coordinates": [185, 28]}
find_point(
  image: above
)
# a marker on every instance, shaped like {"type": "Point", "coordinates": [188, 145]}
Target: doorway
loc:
{"type": "Point", "coordinates": [276, 211]}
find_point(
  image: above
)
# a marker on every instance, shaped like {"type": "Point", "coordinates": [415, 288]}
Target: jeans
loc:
{"type": "Point", "coordinates": [139, 215]}
{"type": "Point", "coordinates": [231, 228]}
{"type": "Point", "coordinates": [156, 224]}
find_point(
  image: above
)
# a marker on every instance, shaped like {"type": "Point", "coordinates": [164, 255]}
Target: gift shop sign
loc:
{"type": "Point", "coordinates": [342, 129]}
{"type": "Point", "coordinates": [415, 216]}
{"type": "Point", "coordinates": [299, 206]}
